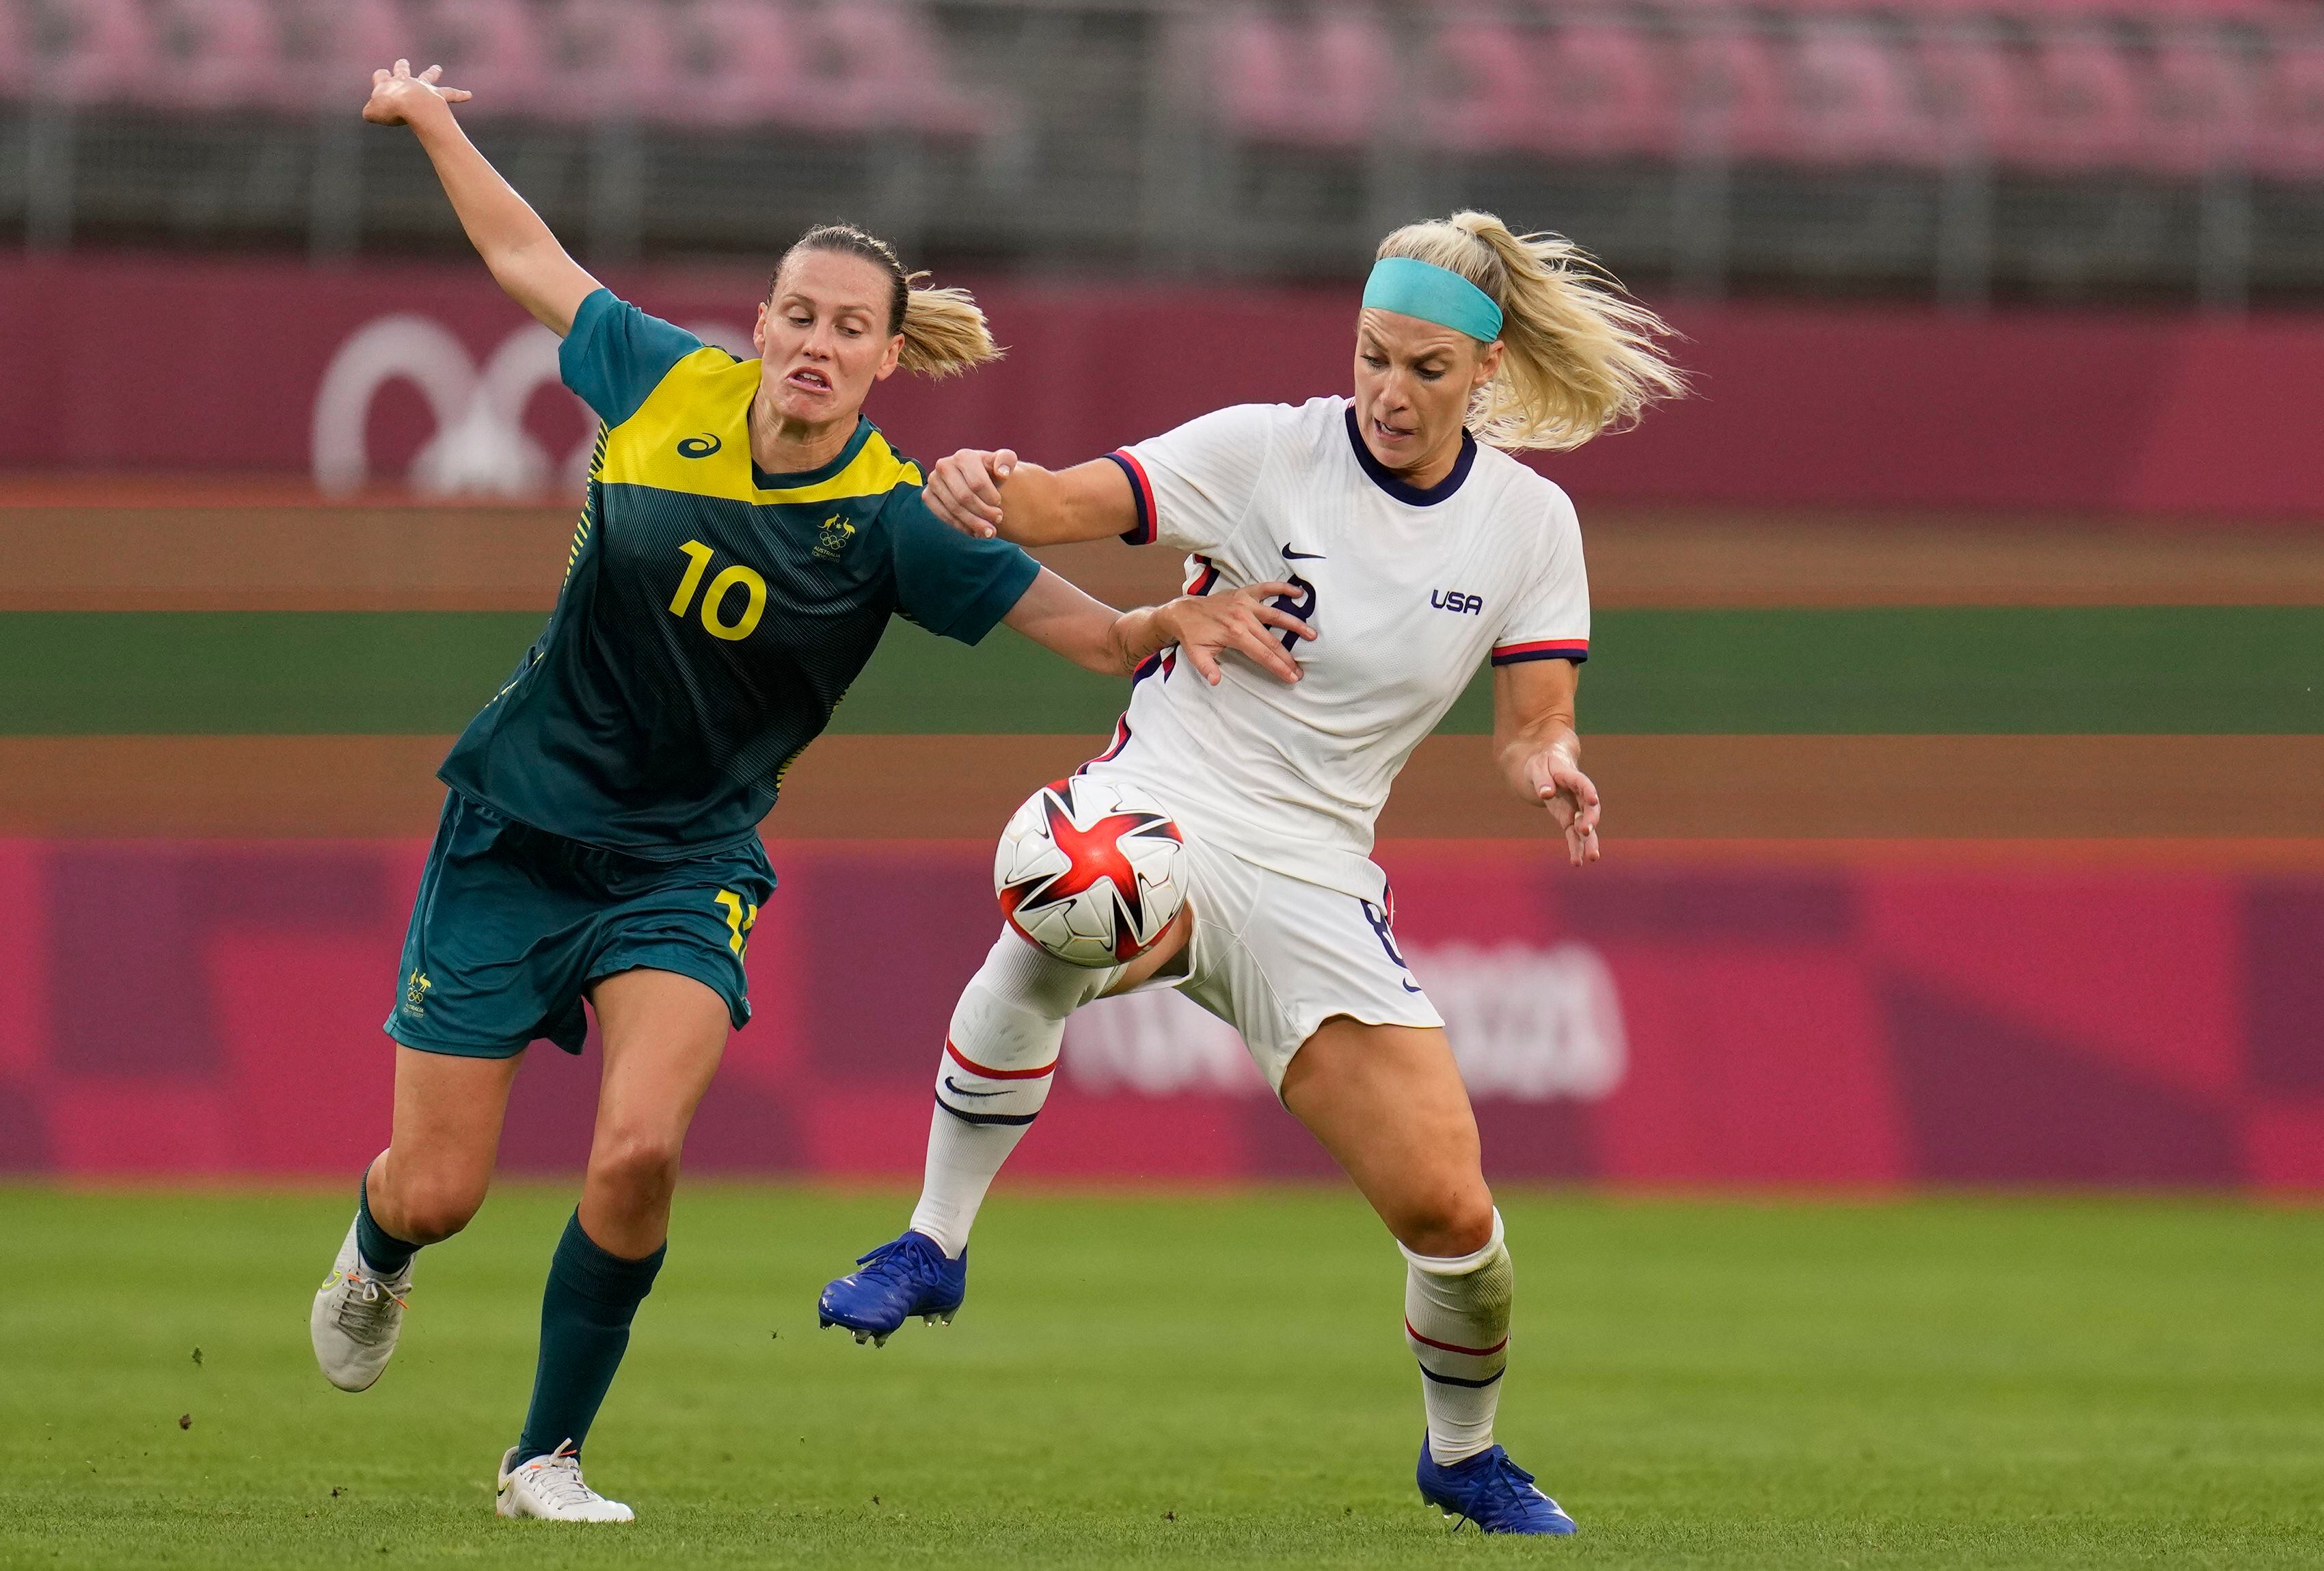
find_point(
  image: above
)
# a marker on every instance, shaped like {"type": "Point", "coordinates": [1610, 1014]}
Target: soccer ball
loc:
{"type": "Point", "coordinates": [1089, 870]}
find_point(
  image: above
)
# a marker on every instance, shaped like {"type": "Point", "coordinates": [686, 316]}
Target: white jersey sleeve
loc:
{"type": "Point", "coordinates": [1194, 485]}
{"type": "Point", "coordinates": [1550, 618]}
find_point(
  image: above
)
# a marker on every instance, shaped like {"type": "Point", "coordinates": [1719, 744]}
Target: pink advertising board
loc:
{"type": "Point", "coordinates": [271, 365]}
{"type": "Point", "coordinates": [212, 1008]}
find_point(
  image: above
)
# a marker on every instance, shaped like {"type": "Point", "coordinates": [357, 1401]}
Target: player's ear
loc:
{"type": "Point", "coordinates": [759, 329]}
{"type": "Point", "coordinates": [888, 361]}
{"type": "Point", "coordinates": [1489, 364]}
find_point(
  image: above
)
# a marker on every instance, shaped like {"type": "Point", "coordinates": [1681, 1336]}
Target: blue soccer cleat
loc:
{"type": "Point", "coordinates": [1492, 1491]}
{"type": "Point", "coordinates": [899, 1280]}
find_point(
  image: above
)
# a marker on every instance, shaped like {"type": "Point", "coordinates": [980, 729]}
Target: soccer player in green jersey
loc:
{"type": "Point", "coordinates": [747, 536]}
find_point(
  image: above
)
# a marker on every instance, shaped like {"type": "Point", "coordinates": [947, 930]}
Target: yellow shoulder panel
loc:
{"type": "Point", "coordinates": [693, 434]}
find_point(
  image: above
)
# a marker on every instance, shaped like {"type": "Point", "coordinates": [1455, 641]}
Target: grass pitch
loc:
{"type": "Point", "coordinates": [1214, 1379]}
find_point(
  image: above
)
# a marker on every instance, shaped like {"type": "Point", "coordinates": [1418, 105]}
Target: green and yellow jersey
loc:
{"type": "Point", "coordinates": [713, 614]}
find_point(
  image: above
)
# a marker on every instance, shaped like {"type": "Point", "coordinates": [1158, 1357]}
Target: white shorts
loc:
{"type": "Point", "coordinates": [1275, 957]}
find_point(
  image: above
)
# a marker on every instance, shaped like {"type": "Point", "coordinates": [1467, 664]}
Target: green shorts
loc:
{"type": "Point", "coordinates": [513, 923]}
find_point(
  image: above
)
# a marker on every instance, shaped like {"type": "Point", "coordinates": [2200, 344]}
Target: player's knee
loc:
{"type": "Point", "coordinates": [436, 1207]}
{"type": "Point", "coordinates": [1448, 1226]}
{"type": "Point", "coordinates": [640, 1165]}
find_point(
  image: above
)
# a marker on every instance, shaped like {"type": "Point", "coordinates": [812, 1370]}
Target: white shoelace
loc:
{"type": "Point", "coordinates": [557, 1478]}
{"type": "Point", "coordinates": [366, 1309]}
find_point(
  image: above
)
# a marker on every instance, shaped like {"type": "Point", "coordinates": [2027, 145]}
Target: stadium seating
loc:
{"type": "Point", "coordinates": [721, 64]}
{"type": "Point", "coordinates": [2066, 87]}
{"type": "Point", "coordinates": [2169, 88]}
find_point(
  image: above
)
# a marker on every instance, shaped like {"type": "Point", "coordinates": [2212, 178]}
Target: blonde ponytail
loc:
{"type": "Point", "coordinates": [944, 332]}
{"type": "Point", "coordinates": [1578, 355]}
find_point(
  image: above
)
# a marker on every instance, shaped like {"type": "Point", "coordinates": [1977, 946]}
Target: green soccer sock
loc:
{"type": "Point", "coordinates": [584, 1328]}
{"type": "Point", "coordinates": [385, 1254]}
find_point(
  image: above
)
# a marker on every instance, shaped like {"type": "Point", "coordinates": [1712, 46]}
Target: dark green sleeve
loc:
{"type": "Point", "coordinates": [946, 581]}
{"type": "Point", "coordinates": [616, 355]}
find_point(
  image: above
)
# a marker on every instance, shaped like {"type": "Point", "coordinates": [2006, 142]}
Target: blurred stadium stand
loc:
{"type": "Point", "coordinates": [2062, 149]}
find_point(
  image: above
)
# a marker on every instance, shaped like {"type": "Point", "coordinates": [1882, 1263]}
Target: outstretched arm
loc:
{"type": "Point", "coordinates": [1539, 752]}
{"type": "Point", "coordinates": [525, 258]}
{"type": "Point", "coordinates": [985, 493]}
{"type": "Point", "coordinates": [1093, 635]}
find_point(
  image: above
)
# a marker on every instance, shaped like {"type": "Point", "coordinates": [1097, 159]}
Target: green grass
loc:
{"type": "Point", "coordinates": [1208, 1380]}
{"type": "Point", "coordinates": [2151, 669]}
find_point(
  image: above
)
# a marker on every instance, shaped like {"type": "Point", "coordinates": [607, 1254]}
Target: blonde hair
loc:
{"type": "Point", "coordinates": [1578, 355]}
{"type": "Point", "coordinates": [945, 331]}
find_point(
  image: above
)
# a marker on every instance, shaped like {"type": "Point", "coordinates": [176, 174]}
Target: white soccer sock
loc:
{"type": "Point", "coordinates": [999, 1057]}
{"type": "Point", "coordinates": [1456, 1320]}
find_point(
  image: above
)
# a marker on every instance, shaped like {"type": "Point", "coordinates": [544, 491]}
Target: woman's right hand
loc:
{"type": "Point", "coordinates": [965, 490]}
{"type": "Point", "coordinates": [398, 97]}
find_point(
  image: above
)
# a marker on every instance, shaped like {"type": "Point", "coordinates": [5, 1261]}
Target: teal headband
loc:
{"type": "Point", "coordinates": [1433, 295]}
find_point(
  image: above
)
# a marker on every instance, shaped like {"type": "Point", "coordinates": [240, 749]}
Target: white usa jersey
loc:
{"type": "Point", "coordinates": [1409, 593]}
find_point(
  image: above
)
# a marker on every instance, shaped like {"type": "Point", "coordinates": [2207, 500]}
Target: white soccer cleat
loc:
{"type": "Point", "coordinates": [357, 1319]}
{"type": "Point", "coordinates": [550, 1488]}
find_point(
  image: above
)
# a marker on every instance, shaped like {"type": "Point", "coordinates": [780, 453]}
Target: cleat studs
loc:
{"type": "Point", "coordinates": [879, 1341]}
{"type": "Point", "coordinates": [861, 1337]}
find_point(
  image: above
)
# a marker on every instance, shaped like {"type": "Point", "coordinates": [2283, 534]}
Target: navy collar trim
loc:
{"type": "Point", "coordinates": [1404, 491]}
{"type": "Point", "coordinates": [821, 472]}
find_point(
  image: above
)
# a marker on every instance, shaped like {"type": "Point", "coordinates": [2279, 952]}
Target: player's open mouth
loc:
{"type": "Point", "coordinates": [1389, 433]}
{"type": "Point", "coordinates": [813, 381]}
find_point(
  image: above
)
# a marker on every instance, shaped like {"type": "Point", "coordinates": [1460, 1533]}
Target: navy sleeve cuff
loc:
{"type": "Point", "coordinates": [1142, 493]}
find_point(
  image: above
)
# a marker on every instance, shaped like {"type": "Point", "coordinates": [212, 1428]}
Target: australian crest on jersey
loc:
{"type": "Point", "coordinates": [712, 613]}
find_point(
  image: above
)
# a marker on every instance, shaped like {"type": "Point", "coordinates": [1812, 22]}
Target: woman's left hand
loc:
{"type": "Point", "coordinates": [1206, 626]}
{"type": "Point", "coordinates": [1559, 784]}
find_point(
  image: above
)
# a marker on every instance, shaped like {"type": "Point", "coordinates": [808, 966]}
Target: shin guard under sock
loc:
{"type": "Point", "coordinates": [1000, 1059]}
{"type": "Point", "coordinates": [584, 1328]}
{"type": "Point", "coordinates": [380, 1250]}
{"type": "Point", "coordinates": [1456, 1320]}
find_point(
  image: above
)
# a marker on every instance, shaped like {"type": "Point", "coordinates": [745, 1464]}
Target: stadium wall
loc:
{"type": "Point", "coordinates": [1917, 1014]}
{"type": "Point", "coordinates": [122, 362]}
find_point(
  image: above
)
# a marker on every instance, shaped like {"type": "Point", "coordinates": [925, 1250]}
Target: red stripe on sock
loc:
{"type": "Point", "coordinates": [1448, 1347]}
{"type": "Point", "coordinates": [973, 1067]}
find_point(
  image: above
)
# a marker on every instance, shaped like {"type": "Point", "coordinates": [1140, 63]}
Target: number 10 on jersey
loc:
{"type": "Point", "coordinates": [713, 599]}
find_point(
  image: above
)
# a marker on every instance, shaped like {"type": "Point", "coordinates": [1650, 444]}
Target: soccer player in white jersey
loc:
{"type": "Point", "coordinates": [1416, 550]}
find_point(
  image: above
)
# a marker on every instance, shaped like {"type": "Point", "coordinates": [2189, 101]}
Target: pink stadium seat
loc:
{"type": "Point", "coordinates": [879, 67]}
{"type": "Point", "coordinates": [1977, 92]}
{"type": "Point", "coordinates": [489, 47]}
{"type": "Point", "coordinates": [1733, 77]}
{"type": "Point", "coordinates": [740, 62]}
{"type": "Point", "coordinates": [1495, 102]}
{"type": "Point", "coordinates": [2198, 105]}
{"type": "Point", "coordinates": [1607, 91]}
{"type": "Point", "coordinates": [1320, 85]}
{"type": "Point", "coordinates": [608, 57]}
{"type": "Point", "coordinates": [2083, 105]}
{"type": "Point", "coordinates": [2289, 144]}
{"type": "Point", "coordinates": [107, 57]}
{"type": "Point", "coordinates": [17, 62]}
{"type": "Point", "coordinates": [1854, 100]}
{"type": "Point", "coordinates": [364, 35]}
{"type": "Point", "coordinates": [221, 54]}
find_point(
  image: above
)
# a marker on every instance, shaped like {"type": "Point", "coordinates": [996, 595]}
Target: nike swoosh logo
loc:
{"type": "Point", "coordinates": [1291, 556]}
{"type": "Point", "coordinates": [1410, 987]}
{"type": "Point", "coordinates": [958, 1090]}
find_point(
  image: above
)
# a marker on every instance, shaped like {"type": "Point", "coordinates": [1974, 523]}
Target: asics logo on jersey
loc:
{"type": "Point", "coordinates": [1291, 556]}
{"type": "Point", "coordinates": [1459, 604]}
{"type": "Point", "coordinates": [700, 447]}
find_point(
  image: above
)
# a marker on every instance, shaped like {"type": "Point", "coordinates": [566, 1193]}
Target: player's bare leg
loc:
{"type": "Point", "coordinates": [663, 1035]}
{"type": "Point", "coordinates": [422, 1189]}
{"type": "Point", "coordinates": [1388, 1103]}
{"type": "Point", "coordinates": [999, 1061]}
